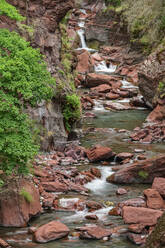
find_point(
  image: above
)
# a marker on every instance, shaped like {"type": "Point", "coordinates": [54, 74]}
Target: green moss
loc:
{"type": "Point", "coordinates": [143, 174]}
{"type": "Point", "coordinates": [94, 44]}
{"type": "Point", "coordinates": [10, 11]}
{"type": "Point", "coordinates": [27, 196]}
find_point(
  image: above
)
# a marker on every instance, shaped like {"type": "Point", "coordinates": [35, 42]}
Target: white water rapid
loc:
{"type": "Point", "coordinates": [103, 68]}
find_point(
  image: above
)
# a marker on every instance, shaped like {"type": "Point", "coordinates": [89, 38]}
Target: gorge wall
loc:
{"type": "Point", "coordinates": [41, 28]}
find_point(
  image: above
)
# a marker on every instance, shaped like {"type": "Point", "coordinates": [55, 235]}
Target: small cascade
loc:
{"type": "Point", "coordinates": [98, 185]}
{"type": "Point", "coordinates": [103, 68]}
{"type": "Point", "coordinates": [82, 39]}
{"type": "Point", "coordinates": [127, 85]}
{"type": "Point", "coordinates": [99, 106]}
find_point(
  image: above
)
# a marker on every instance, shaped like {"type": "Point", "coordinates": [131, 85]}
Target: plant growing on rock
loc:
{"type": "Point", "coordinates": [27, 196]}
{"type": "Point", "coordinates": [24, 81]}
{"type": "Point", "coordinates": [10, 11]}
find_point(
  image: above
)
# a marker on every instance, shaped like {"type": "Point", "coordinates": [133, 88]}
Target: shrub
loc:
{"type": "Point", "coordinates": [10, 11]}
{"type": "Point", "coordinates": [24, 81]}
{"type": "Point", "coordinates": [72, 110]}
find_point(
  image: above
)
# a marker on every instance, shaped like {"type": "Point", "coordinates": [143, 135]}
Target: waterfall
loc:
{"type": "Point", "coordinates": [82, 38]}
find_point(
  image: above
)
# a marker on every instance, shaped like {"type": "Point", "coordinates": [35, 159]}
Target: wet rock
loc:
{"type": "Point", "coordinates": [92, 205]}
{"type": "Point", "coordinates": [159, 185]}
{"type": "Point", "coordinates": [158, 114]}
{"type": "Point", "coordinates": [137, 239]}
{"type": "Point", "coordinates": [136, 228]}
{"type": "Point", "coordinates": [15, 208]}
{"type": "Point", "coordinates": [94, 232]}
{"type": "Point", "coordinates": [140, 172]}
{"type": "Point", "coordinates": [32, 229]}
{"type": "Point", "coordinates": [154, 200]}
{"type": "Point", "coordinates": [116, 106]}
{"type": "Point", "coordinates": [135, 202]}
{"type": "Point", "coordinates": [96, 172]}
{"type": "Point", "coordinates": [4, 244]}
{"type": "Point", "coordinates": [51, 231]}
{"type": "Point", "coordinates": [137, 102]}
{"type": "Point", "coordinates": [55, 187]}
{"type": "Point", "coordinates": [112, 96]}
{"type": "Point", "coordinates": [124, 155]}
{"type": "Point", "coordinates": [121, 191]}
{"type": "Point", "coordinates": [84, 62]}
{"type": "Point", "coordinates": [139, 135]}
{"type": "Point", "coordinates": [91, 217]}
{"type": "Point", "coordinates": [141, 157]}
{"type": "Point", "coordinates": [114, 212]}
{"type": "Point", "coordinates": [93, 80]}
{"type": "Point", "coordinates": [103, 88]}
{"type": "Point", "coordinates": [99, 153]}
{"type": "Point", "coordinates": [139, 215]}
{"type": "Point", "coordinates": [87, 102]}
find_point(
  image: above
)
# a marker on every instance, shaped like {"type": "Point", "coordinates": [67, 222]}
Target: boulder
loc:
{"type": "Point", "coordinates": [103, 88]}
{"type": "Point", "coordinates": [124, 155]}
{"type": "Point", "coordinates": [139, 215]}
{"type": "Point", "coordinates": [91, 217]}
{"type": "Point", "coordinates": [154, 199]}
{"type": "Point", "coordinates": [99, 153]}
{"type": "Point", "coordinates": [51, 231]}
{"type": "Point", "coordinates": [140, 172]}
{"type": "Point", "coordinates": [96, 172]}
{"type": "Point", "coordinates": [92, 205]}
{"type": "Point", "coordinates": [135, 202]}
{"type": "Point", "coordinates": [137, 239]}
{"type": "Point", "coordinates": [136, 228]}
{"type": "Point", "coordinates": [94, 232]}
{"type": "Point", "coordinates": [4, 244]}
{"type": "Point", "coordinates": [84, 62]}
{"type": "Point", "coordinates": [19, 201]}
{"type": "Point", "coordinates": [93, 80]}
{"type": "Point", "coordinates": [159, 185]}
{"type": "Point", "coordinates": [55, 187]}
{"type": "Point", "coordinates": [158, 114]}
{"type": "Point", "coordinates": [112, 96]}
{"type": "Point", "coordinates": [121, 191]}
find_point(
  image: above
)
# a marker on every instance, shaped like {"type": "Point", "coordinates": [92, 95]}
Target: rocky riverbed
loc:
{"type": "Point", "coordinates": [106, 188]}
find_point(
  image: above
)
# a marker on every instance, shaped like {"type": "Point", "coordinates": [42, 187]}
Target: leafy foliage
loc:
{"type": "Point", "coordinates": [71, 110]}
{"type": "Point", "coordinates": [115, 3]}
{"type": "Point", "coordinates": [24, 81]}
{"type": "Point", "coordinates": [10, 11]}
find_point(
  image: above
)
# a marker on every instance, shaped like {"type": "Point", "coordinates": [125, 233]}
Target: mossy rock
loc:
{"type": "Point", "coordinates": [93, 44]}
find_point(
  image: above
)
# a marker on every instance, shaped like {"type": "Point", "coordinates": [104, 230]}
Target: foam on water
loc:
{"type": "Point", "coordinates": [64, 202]}
{"type": "Point", "coordinates": [99, 185]}
{"type": "Point", "coordinates": [103, 68]}
{"type": "Point", "coordinates": [126, 84]}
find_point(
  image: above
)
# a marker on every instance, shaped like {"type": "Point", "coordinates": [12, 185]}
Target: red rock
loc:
{"type": "Point", "coordinates": [114, 212]}
{"type": "Point", "coordinates": [4, 244]}
{"type": "Point", "coordinates": [154, 200]}
{"type": "Point", "coordinates": [103, 88]}
{"type": "Point", "coordinates": [138, 215]}
{"type": "Point", "coordinates": [55, 187]}
{"type": "Point", "coordinates": [112, 96]}
{"type": "Point", "coordinates": [93, 80]}
{"type": "Point", "coordinates": [96, 172]}
{"type": "Point", "coordinates": [137, 238]}
{"type": "Point", "coordinates": [135, 202]}
{"type": "Point", "coordinates": [124, 155]}
{"type": "Point", "coordinates": [136, 228]}
{"type": "Point", "coordinates": [92, 205]}
{"type": "Point", "coordinates": [91, 217]}
{"type": "Point", "coordinates": [116, 106]}
{"type": "Point", "coordinates": [94, 232]}
{"type": "Point", "coordinates": [51, 231]}
{"type": "Point", "coordinates": [140, 172]}
{"type": "Point", "coordinates": [159, 185]}
{"type": "Point", "coordinates": [99, 153]}
{"type": "Point", "coordinates": [32, 229]}
{"type": "Point", "coordinates": [141, 157]}
{"type": "Point", "coordinates": [84, 62]}
{"type": "Point", "coordinates": [139, 135]}
{"type": "Point", "coordinates": [121, 191]}
{"type": "Point", "coordinates": [96, 57]}
{"type": "Point", "coordinates": [15, 209]}
{"type": "Point", "coordinates": [158, 114]}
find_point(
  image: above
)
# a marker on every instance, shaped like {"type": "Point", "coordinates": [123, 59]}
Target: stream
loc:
{"type": "Point", "coordinates": [104, 129]}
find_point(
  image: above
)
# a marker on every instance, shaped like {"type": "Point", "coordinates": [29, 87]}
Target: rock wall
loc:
{"type": "Point", "coordinates": [43, 18]}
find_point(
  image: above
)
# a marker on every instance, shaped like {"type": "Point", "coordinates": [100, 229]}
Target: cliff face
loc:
{"type": "Point", "coordinates": [43, 18]}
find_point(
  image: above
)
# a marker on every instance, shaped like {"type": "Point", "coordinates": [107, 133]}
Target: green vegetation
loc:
{"type": "Point", "coordinates": [143, 174]}
{"type": "Point", "coordinates": [72, 105]}
{"type": "Point", "coordinates": [24, 81]}
{"type": "Point", "coordinates": [27, 196]}
{"type": "Point", "coordinates": [115, 3]}
{"type": "Point", "coordinates": [10, 11]}
{"type": "Point", "coordinates": [161, 89]}
{"type": "Point", "coordinates": [71, 110]}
